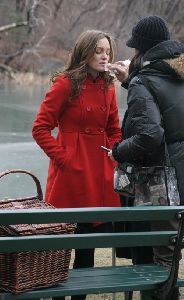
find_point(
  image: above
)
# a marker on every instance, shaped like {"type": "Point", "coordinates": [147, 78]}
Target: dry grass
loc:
{"type": "Point", "coordinates": [103, 257]}
{"type": "Point", "coordinates": [30, 79]}
{"type": "Point", "coordinates": [27, 78]}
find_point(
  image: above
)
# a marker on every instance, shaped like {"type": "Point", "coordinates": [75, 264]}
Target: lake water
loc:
{"type": "Point", "coordinates": [18, 107]}
{"type": "Point", "coordinates": [18, 150]}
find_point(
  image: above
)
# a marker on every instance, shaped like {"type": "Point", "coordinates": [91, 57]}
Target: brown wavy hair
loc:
{"type": "Point", "coordinates": [77, 65]}
{"type": "Point", "coordinates": [136, 62]}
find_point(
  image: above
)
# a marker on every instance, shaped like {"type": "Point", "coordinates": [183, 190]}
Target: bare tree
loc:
{"type": "Point", "coordinates": [34, 14]}
{"type": "Point", "coordinates": [40, 33]}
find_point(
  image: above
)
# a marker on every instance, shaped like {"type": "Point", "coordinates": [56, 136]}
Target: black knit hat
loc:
{"type": "Point", "coordinates": [148, 32]}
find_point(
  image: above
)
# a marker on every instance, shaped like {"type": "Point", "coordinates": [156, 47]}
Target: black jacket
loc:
{"type": "Point", "coordinates": [151, 112]}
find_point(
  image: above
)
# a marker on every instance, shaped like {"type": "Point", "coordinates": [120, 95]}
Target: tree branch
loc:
{"type": "Point", "coordinates": [84, 12]}
{"type": "Point", "coordinates": [8, 70]}
{"type": "Point", "coordinates": [13, 25]}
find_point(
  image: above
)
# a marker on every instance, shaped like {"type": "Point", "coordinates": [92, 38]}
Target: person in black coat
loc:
{"type": "Point", "coordinates": [156, 114]}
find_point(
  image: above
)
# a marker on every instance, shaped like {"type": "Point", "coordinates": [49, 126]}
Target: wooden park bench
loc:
{"type": "Point", "coordinates": [98, 280]}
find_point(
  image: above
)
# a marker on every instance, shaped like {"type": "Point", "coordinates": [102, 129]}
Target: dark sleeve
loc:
{"type": "Point", "coordinates": [143, 125]}
{"type": "Point", "coordinates": [125, 85]}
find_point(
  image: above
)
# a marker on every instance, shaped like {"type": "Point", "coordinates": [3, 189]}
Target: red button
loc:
{"type": "Point", "coordinates": [87, 130]}
{"type": "Point", "coordinates": [101, 129]}
{"type": "Point", "coordinates": [103, 108]}
{"type": "Point", "coordinates": [88, 108]}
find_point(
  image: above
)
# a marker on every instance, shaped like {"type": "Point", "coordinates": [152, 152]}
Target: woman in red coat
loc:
{"type": "Point", "coordinates": [82, 104]}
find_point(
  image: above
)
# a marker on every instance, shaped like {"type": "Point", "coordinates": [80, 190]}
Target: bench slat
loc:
{"type": "Point", "coordinates": [103, 280]}
{"type": "Point", "coordinates": [180, 282]}
{"type": "Point", "coordinates": [97, 240]}
{"type": "Point", "coordinates": [89, 214]}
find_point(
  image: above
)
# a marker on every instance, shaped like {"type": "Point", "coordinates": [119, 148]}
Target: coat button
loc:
{"type": "Point", "coordinates": [103, 108]}
{"type": "Point", "coordinates": [87, 130]}
{"type": "Point", "coordinates": [101, 130]}
{"type": "Point", "coordinates": [88, 108]}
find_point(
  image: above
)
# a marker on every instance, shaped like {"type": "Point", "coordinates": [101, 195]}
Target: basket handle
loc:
{"type": "Point", "coordinates": [37, 182]}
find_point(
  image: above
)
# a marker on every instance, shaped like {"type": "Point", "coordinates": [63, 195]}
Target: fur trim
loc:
{"type": "Point", "coordinates": [177, 64]}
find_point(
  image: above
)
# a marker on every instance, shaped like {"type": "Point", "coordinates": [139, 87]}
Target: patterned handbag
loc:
{"type": "Point", "coordinates": [156, 185]}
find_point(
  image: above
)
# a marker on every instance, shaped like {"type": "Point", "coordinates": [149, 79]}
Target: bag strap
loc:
{"type": "Point", "coordinates": [145, 81]}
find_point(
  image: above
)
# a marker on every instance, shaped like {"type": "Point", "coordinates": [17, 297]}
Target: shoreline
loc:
{"type": "Point", "coordinates": [24, 78]}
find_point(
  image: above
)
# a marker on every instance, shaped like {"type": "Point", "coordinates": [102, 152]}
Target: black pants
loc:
{"type": "Point", "coordinates": [139, 255]}
{"type": "Point", "coordinates": [84, 258]}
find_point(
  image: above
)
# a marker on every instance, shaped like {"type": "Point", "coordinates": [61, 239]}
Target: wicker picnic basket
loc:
{"type": "Point", "coordinates": [34, 269]}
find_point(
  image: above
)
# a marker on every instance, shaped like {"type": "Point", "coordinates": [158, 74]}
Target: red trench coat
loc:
{"type": "Point", "coordinates": [80, 173]}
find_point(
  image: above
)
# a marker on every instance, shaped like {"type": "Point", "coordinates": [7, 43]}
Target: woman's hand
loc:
{"type": "Point", "coordinates": [120, 69]}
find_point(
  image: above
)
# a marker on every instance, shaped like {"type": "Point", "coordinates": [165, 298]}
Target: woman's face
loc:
{"type": "Point", "coordinates": [101, 56]}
